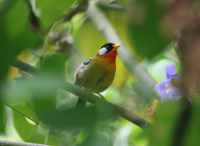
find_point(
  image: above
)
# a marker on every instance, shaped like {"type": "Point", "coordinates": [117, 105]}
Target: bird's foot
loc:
{"type": "Point", "coordinates": [102, 96]}
{"type": "Point", "coordinates": [83, 90]}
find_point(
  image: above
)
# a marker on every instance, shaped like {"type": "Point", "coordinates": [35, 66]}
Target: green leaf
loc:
{"type": "Point", "coordinates": [27, 131]}
{"type": "Point", "coordinates": [97, 140]}
{"type": "Point", "coordinates": [49, 10]}
{"type": "Point", "coordinates": [162, 131]}
{"type": "Point", "coordinates": [2, 118]}
{"type": "Point", "coordinates": [192, 133]}
{"type": "Point", "coordinates": [30, 121]}
{"type": "Point", "coordinates": [55, 64]}
{"type": "Point", "coordinates": [144, 28]}
{"type": "Point", "coordinates": [19, 14]}
{"type": "Point", "coordinates": [14, 36]}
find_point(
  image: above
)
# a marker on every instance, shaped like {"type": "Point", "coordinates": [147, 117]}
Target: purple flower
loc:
{"type": "Point", "coordinates": [165, 88]}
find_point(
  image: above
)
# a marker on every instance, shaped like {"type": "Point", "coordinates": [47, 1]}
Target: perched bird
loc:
{"type": "Point", "coordinates": [96, 74]}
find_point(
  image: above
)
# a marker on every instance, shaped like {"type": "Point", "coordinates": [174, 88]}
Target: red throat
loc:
{"type": "Point", "coordinates": [110, 57]}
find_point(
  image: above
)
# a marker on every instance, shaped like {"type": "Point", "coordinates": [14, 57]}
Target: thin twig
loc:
{"type": "Point", "coordinates": [31, 107]}
{"type": "Point", "coordinates": [20, 112]}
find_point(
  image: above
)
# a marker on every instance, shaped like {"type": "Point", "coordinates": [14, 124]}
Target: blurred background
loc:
{"type": "Point", "coordinates": [53, 38]}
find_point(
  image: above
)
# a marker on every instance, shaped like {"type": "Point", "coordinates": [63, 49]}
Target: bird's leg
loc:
{"type": "Point", "coordinates": [83, 90]}
{"type": "Point", "coordinates": [102, 96]}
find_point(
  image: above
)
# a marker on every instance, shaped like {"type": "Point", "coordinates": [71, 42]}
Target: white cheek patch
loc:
{"type": "Point", "coordinates": [102, 51]}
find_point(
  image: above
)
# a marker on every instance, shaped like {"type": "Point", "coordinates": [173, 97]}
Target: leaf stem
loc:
{"type": "Point", "coordinates": [20, 112]}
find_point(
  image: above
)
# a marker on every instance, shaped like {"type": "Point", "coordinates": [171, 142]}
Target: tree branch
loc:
{"type": "Point", "coordinates": [110, 6]}
{"type": "Point", "coordinates": [132, 64]}
{"type": "Point", "coordinates": [25, 66]}
{"type": "Point", "coordinates": [132, 117]}
{"type": "Point", "coordinates": [12, 143]}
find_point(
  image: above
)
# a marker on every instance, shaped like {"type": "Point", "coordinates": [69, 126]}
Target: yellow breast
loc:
{"type": "Point", "coordinates": [97, 76]}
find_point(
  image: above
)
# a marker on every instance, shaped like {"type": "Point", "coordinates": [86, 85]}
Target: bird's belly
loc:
{"type": "Point", "coordinates": [93, 84]}
{"type": "Point", "coordinates": [97, 77]}
{"type": "Point", "coordinates": [104, 83]}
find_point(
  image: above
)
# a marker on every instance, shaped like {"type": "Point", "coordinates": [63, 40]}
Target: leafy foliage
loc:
{"type": "Point", "coordinates": [140, 25]}
{"type": "Point", "coordinates": [48, 15]}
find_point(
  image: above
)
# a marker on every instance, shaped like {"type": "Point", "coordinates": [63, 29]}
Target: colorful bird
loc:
{"type": "Point", "coordinates": [96, 74]}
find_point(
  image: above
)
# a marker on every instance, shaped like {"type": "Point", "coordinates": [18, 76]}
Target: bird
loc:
{"type": "Point", "coordinates": [96, 74]}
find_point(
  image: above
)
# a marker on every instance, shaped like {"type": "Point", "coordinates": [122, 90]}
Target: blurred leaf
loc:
{"type": "Point", "coordinates": [49, 11]}
{"type": "Point", "coordinates": [78, 117]}
{"type": "Point", "coordinates": [161, 132]}
{"type": "Point", "coordinates": [30, 121]}
{"type": "Point", "coordinates": [55, 65]}
{"type": "Point", "coordinates": [135, 138]}
{"type": "Point", "coordinates": [43, 87]}
{"type": "Point", "coordinates": [88, 118]}
{"type": "Point", "coordinates": [122, 135]}
{"type": "Point", "coordinates": [13, 29]}
{"type": "Point", "coordinates": [63, 100]}
{"type": "Point", "coordinates": [192, 133]}
{"type": "Point", "coordinates": [5, 5]}
{"type": "Point", "coordinates": [144, 23]}
{"type": "Point", "coordinates": [96, 139]}
{"type": "Point", "coordinates": [27, 131]}
{"type": "Point", "coordinates": [71, 118]}
{"type": "Point", "coordinates": [14, 36]}
{"type": "Point", "coordinates": [2, 118]}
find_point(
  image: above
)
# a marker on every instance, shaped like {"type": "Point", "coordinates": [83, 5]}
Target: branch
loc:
{"type": "Point", "coordinates": [132, 64]}
{"type": "Point", "coordinates": [110, 6]}
{"type": "Point", "coordinates": [12, 143]}
{"type": "Point", "coordinates": [25, 66]}
{"type": "Point", "coordinates": [132, 117]}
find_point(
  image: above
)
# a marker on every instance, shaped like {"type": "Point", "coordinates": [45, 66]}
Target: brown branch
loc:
{"type": "Point", "coordinates": [13, 143]}
{"type": "Point", "coordinates": [132, 117]}
{"type": "Point", "coordinates": [132, 64]}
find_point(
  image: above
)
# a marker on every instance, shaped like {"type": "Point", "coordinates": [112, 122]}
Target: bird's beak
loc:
{"type": "Point", "coordinates": [116, 46]}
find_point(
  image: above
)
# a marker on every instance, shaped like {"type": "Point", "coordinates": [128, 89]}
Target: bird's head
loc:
{"type": "Point", "coordinates": [108, 52]}
{"type": "Point", "coordinates": [108, 49]}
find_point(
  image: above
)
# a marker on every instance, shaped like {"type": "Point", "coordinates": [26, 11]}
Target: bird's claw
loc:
{"type": "Point", "coordinates": [104, 99]}
{"type": "Point", "coordinates": [83, 90]}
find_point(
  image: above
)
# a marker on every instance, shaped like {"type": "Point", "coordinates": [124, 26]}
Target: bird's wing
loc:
{"type": "Point", "coordinates": [80, 70]}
